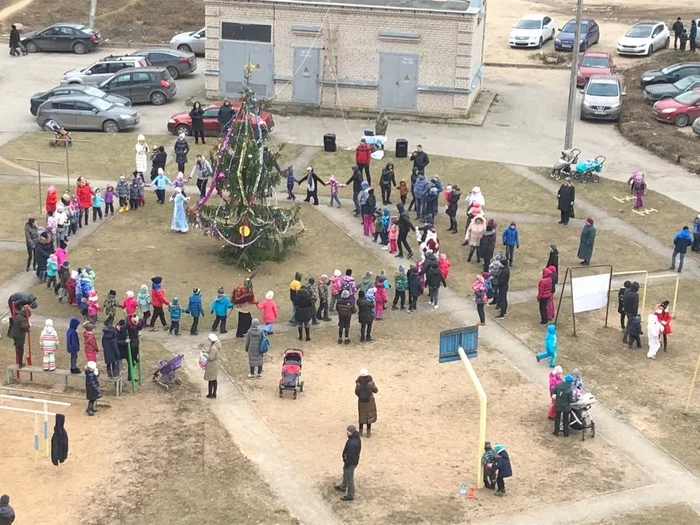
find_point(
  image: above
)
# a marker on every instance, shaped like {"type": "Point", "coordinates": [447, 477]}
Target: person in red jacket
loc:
{"type": "Point", "coordinates": [84, 193]}
{"type": "Point", "coordinates": [158, 300]}
{"type": "Point", "coordinates": [664, 317]}
{"type": "Point", "coordinates": [363, 155]}
{"type": "Point", "coordinates": [544, 293]}
{"type": "Point", "coordinates": [51, 199]}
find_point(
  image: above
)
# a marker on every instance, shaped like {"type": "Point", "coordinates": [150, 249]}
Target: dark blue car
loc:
{"type": "Point", "coordinates": [590, 34]}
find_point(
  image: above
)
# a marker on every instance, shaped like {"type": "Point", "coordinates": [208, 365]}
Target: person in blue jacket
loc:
{"type": "Point", "coordinates": [502, 463]}
{"type": "Point", "coordinates": [220, 307]}
{"type": "Point", "coordinates": [550, 346]}
{"type": "Point", "coordinates": [511, 240]}
{"type": "Point", "coordinates": [195, 309]}
{"type": "Point", "coordinates": [680, 246]}
{"type": "Point", "coordinates": [161, 182]}
{"type": "Point", "coordinates": [420, 192]}
{"type": "Point", "coordinates": [73, 344]}
{"type": "Point", "coordinates": [175, 311]}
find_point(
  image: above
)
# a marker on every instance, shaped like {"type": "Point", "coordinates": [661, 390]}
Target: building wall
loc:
{"type": "Point", "coordinates": [446, 50]}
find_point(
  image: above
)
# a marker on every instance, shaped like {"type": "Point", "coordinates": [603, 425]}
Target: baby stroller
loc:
{"type": "Point", "coordinates": [579, 418]}
{"type": "Point", "coordinates": [589, 169]}
{"type": "Point", "coordinates": [165, 373]}
{"type": "Point", "coordinates": [291, 372]}
{"type": "Point", "coordinates": [562, 168]}
{"type": "Point", "coordinates": [61, 137]}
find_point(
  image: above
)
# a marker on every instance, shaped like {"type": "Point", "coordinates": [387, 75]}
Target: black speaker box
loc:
{"type": "Point", "coordinates": [401, 148]}
{"type": "Point", "coordinates": [329, 142]}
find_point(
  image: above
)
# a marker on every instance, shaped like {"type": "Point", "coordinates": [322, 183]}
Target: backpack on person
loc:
{"type": "Point", "coordinates": [264, 345]}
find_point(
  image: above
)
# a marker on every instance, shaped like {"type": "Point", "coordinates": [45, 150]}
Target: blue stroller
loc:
{"type": "Point", "coordinates": [588, 170]}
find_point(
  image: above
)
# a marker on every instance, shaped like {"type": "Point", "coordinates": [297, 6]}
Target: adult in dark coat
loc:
{"type": "Point", "coordinates": [452, 205]}
{"type": "Point", "coordinates": [14, 41]}
{"type": "Point", "coordinates": [312, 181]}
{"type": "Point", "coordinates": [405, 226]}
{"type": "Point", "coordinates": [566, 197]}
{"type": "Point", "coordinates": [16, 302]}
{"type": "Point", "coordinates": [553, 259]}
{"type": "Point", "coordinates": [387, 179]}
{"type": "Point", "coordinates": [433, 277]}
{"type": "Point", "coordinates": [586, 243]}
{"type": "Point", "coordinates": [345, 310]}
{"type": "Point", "coordinates": [487, 245]}
{"type": "Point", "coordinates": [563, 397]}
{"type": "Point", "coordinates": [503, 284]}
{"type": "Point", "coordinates": [20, 327]}
{"type": "Point", "coordinates": [225, 115]}
{"type": "Point", "coordinates": [366, 404]}
{"type": "Point", "coordinates": [42, 251]}
{"type": "Point", "coordinates": [304, 311]}
{"type": "Point", "coordinates": [7, 513]}
{"type": "Point", "coordinates": [365, 316]}
{"type": "Point", "coordinates": [158, 160]}
{"type": "Point", "coordinates": [197, 117]}
{"type": "Point", "coordinates": [351, 458]}
{"type": "Point", "coordinates": [59, 441]}
{"type": "Point", "coordinates": [677, 31]}
{"type": "Point", "coordinates": [420, 160]}
{"type": "Point", "coordinates": [31, 236]}
{"type": "Point", "coordinates": [356, 180]}
{"type": "Point", "coordinates": [181, 148]}
{"type": "Point", "coordinates": [110, 348]}
{"type": "Point", "coordinates": [621, 303]}
{"type": "Point", "coordinates": [630, 306]}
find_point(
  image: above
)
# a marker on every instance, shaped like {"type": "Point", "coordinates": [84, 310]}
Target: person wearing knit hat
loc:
{"type": "Point", "coordinates": [345, 310]}
{"type": "Point", "coordinates": [400, 287]}
{"type": "Point", "coordinates": [48, 342]}
{"type": "Point", "coordinates": [487, 464]}
{"type": "Point", "coordinates": [195, 309]}
{"type": "Point", "coordinates": [143, 300]}
{"type": "Point", "coordinates": [322, 311]}
{"type": "Point", "coordinates": [336, 286]}
{"type": "Point", "coordinates": [93, 306]}
{"type": "Point", "coordinates": [130, 305]}
{"type": "Point", "coordinates": [220, 307]}
{"type": "Point", "coordinates": [158, 300]}
{"type": "Point", "coordinates": [563, 397]}
{"type": "Point", "coordinates": [351, 458]}
{"type": "Point", "coordinates": [210, 355]}
{"type": "Point", "coordinates": [269, 312]}
{"type": "Point", "coordinates": [175, 311]}
{"type": "Point", "coordinates": [365, 388]}
{"type": "Point", "coordinates": [502, 465]}
{"type": "Point", "coordinates": [92, 387]}
{"type": "Point", "coordinates": [587, 242]}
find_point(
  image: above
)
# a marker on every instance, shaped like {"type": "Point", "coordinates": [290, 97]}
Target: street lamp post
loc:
{"type": "Point", "coordinates": [569, 137]}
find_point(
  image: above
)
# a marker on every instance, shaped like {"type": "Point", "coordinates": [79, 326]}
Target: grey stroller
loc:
{"type": "Point", "coordinates": [166, 371]}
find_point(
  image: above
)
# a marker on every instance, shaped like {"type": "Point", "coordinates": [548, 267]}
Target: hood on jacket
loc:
{"type": "Point", "coordinates": [60, 421]}
{"type": "Point", "coordinates": [635, 286]}
{"type": "Point", "coordinates": [479, 218]}
{"type": "Point", "coordinates": [551, 329]}
{"type": "Point", "coordinates": [74, 323]}
{"type": "Point", "coordinates": [400, 207]}
{"type": "Point", "coordinates": [546, 272]}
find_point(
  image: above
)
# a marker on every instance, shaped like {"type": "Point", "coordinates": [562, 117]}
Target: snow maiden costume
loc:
{"type": "Point", "coordinates": [179, 223]}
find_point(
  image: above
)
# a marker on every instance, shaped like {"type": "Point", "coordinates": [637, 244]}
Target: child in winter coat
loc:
{"type": "Point", "coordinates": [175, 311]}
{"type": "Point", "coordinates": [394, 236]}
{"type": "Point", "coordinates": [89, 342]}
{"type": "Point", "coordinates": [511, 240]}
{"type": "Point", "coordinates": [51, 270]}
{"type": "Point", "coordinates": [380, 297]}
{"type": "Point", "coordinates": [400, 287]}
{"type": "Point", "coordinates": [336, 288]}
{"type": "Point", "coordinates": [385, 225]}
{"type": "Point", "coordinates": [70, 288]}
{"type": "Point", "coordinates": [322, 312]}
{"type": "Point", "coordinates": [334, 184]}
{"type": "Point", "coordinates": [73, 344]}
{"type": "Point", "coordinates": [550, 346]}
{"type": "Point", "coordinates": [291, 181]}
{"type": "Point", "coordinates": [505, 470]}
{"type": "Point", "coordinates": [134, 194]}
{"type": "Point", "coordinates": [51, 199]}
{"type": "Point", "coordinates": [48, 342]}
{"type": "Point", "coordinates": [123, 193]}
{"type": "Point", "coordinates": [93, 306]}
{"type": "Point", "coordinates": [377, 225]}
{"type": "Point", "coordinates": [220, 307]}
{"type": "Point", "coordinates": [108, 196]}
{"type": "Point", "coordinates": [63, 276]}
{"type": "Point", "coordinates": [403, 191]}
{"type": "Point", "coordinates": [444, 265]}
{"type": "Point", "coordinates": [415, 288]}
{"type": "Point", "coordinates": [97, 205]}
{"type": "Point", "coordinates": [89, 274]}
{"type": "Point", "coordinates": [195, 309]}
{"type": "Point", "coordinates": [92, 387]}
{"type": "Point", "coordinates": [635, 331]}
{"type": "Point", "coordinates": [130, 305]}
{"type": "Point", "coordinates": [110, 306]}
{"type": "Point", "coordinates": [480, 298]}
{"type": "Point", "coordinates": [73, 215]}
{"type": "Point", "coordinates": [143, 299]}
{"type": "Point", "coordinates": [654, 331]}
{"type": "Point", "coordinates": [269, 311]}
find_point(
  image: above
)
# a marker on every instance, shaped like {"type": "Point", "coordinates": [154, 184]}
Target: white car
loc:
{"type": "Point", "coordinates": [532, 31]}
{"type": "Point", "coordinates": [191, 42]}
{"type": "Point", "coordinates": [643, 38]}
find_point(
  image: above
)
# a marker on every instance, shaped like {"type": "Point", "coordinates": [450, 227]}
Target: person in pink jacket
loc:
{"type": "Point", "coordinates": [269, 310]}
{"type": "Point", "coordinates": [555, 376]}
{"type": "Point", "coordinates": [380, 297]}
{"type": "Point", "coordinates": [129, 304]}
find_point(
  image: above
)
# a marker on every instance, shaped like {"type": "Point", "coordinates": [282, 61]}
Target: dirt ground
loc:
{"type": "Point", "coordinates": [676, 514]}
{"type": "Point", "coordinates": [153, 457]}
{"type": "Point", "coordinates": [650, 394]}
{"type": "Point", "coordinates": [638, 125]}
{"type": "Point", "coordinates": [420, 483]}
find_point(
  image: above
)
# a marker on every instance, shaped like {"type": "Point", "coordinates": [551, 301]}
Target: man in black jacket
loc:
{"type": "Point", "coordinates": [14, 41]}
{"type": "Point", "coordinates": [351, 458]}
{"type": "Point", "coordinates": [503, 282]}
{"type": "Point", "coordinates": [566, 197]}
{"type": "Point", "coordinates": [356, 179]}
{"type": "Point", "coordinates": [677, 31]}
{"type": "Point", "coordinates": [630, 304]}
{"type": "Point", "coordinates": [405, 226]}
{"type": "Point", "coordinates": [420, 160]}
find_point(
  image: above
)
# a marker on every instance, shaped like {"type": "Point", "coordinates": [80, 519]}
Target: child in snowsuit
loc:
{"type": "Point", "coordinates": [195, 309]}
{"type": "Point", "coordinates": [92, 387]}
{"type": "Point", "coordinates": [400, 287]}
{"type": "Point", "coordinates": [291, 181]}
{"type": "Point", "coordinates": [380, 297]}
{"type": "Point", "coordinates": [635, 331]}
{"type": "Point", "coordinates": [504, 469]}
{"type": "Point", "coordinates": [487, 463]}
{"type": "Point", "coordinates": [336, 288]}
{"type": "Point", "coordinates": [175, 311]}
{"type": "Point", "coordinates": [480, 298]}
{"type": "Point", "coordinates": [386, 224]}
{"type": "Point", "coordinates": [48, 342]}
{"type": "Point", "coordinates": [110, 306]}
{"type": "Point", "coordinates": [144, 302]}
{"type": "Point", "coordinates": [63, 276]}
{"type": "Point", "coordinates": [269, 310]}
{"type": "Point", "coordinates": [93, 306]}
{"type": "Point", "coordinates": [51, 271]}
{"type": "Point", "coordinates": [134, 194]}
{"type": "Point", "coordinates": [108, 196]}
{"type": "Point", "coordinates": [322, 312]}
{"type": "Point", "coordinates": [71, 285]}
{"type": "Point", "coordinates": [220, 306]}
{"type": "Point", "coordinates": [444, 265]}
{"type": "Point", "coordinates": [89, 342]}
{"type": "Point", "coordinates": [123, 193]}
{"type": "Point", "coordinates": [550, 346]}
{"type": "Point", "coordinates": [394, 235]}
{"type": "Point", "coordinates": [130, 305]}
{"type": "Point", "coordinates": [97, 205]}
{"type": "Point", "coordinates": [334, 184]}
{"type": "Point", "coordinates": [377, 226]}
{"type": "Point", "coordinates": [73, 344]}
{"type": "Point", "coordinates": [89, 274]}
{"type": "Point", "coordinates": [415, 288]}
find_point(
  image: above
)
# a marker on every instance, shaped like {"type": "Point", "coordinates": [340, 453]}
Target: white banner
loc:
{"type": "Point", "coordinates": [590, 292]}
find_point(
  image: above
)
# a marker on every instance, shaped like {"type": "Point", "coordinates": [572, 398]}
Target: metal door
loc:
{"type": "Point", "coordinates": [398, 81]}
{"type": "Point", "coordinates": [233, 56]}
{"type": "Point", "coordinates": [306, 74]}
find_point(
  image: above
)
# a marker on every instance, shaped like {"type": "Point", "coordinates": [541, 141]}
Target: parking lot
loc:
{"type": "Point", "coordinates": [24, 76]}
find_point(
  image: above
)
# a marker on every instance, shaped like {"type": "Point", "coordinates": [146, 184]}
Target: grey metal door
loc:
{"type": "Point", "coordinates": [305, 81]}
{"type": "Point", "coordinates": [233, 56]}
{"type": "Point", "coordinates": [398, 81]}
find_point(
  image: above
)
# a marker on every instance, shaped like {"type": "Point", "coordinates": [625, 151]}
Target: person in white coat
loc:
{"type": "Point", "coordinates": [475, 196]}
{"type": "Point", "coordinates": [142, 150]}
{"type": "Point", "coordinates": [654, 331]}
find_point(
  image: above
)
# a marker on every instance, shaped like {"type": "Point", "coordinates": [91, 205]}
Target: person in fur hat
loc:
{"type": "Point", "coordinates": [48, 342]}
{"type": "Point", "coordinates": [92, 387]}
{"type": "Point", "coordinates": [365, 388]}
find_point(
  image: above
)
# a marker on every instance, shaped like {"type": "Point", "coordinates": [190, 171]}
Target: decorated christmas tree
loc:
{"type": "Point", "coordinates": [240, 205]}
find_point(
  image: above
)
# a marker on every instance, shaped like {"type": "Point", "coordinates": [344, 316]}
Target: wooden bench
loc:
{"type": "Point", "coordinates": [63, 374]}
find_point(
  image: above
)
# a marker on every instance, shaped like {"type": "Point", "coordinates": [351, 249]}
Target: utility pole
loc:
{"type": "Point", "coordinates": [569, 137]}
{"type": "Point", "coordinates": [93, 9]}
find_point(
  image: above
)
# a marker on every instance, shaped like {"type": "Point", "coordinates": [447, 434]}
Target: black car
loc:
{"type": "Point", "coordinates": [670, 74]}
{"type": "Point", "coordinates": [77, 38]}
{"type": "Point", "coordinates": [661, 91]}
{"type": "Point", "coordinates": [142, 84]}
{"type": "Point", "coordinates": [75, 89]}
{"type": "Point", "coordinates": [177, 63]}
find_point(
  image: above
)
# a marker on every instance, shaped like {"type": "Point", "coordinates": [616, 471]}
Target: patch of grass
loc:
{"type": "Point", "coordinates": [20, 201]}
{"type": "Point", "coordinates": [651, 394]}
{"type": "Point", "coordinates": [14, 262]}
{"type": "Point", "coordinates": [502, 189]}
{"type": "Point", "coordinates": [676, 514]}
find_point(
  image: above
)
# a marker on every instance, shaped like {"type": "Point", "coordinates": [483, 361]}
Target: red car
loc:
{"type": "Point", "coordinates": [681, 111]}
{"type": "Point", "coordinates": [593, 63]}
{"type": "Point", "coordinates": [182, 123]}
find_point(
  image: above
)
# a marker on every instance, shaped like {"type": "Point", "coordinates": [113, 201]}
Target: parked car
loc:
{"type": "Point", "coordinates": [176, 62]}
{"type": "Point", "coordinates": [77, 38]}
{"type": "Point", "coordinates": [643, 38]}
{"type": "Point", "coordinates": [182, 123]}
{"type": "Point", "coordinates": [670, 74]}
{"type": "Point", "coordinates": [85, 112]}
{"type": "Point", "coordinates": [696, 126]}
{"type": "Point", "coordinates": [193, 42]}
{"type": "Point", "coordinates": [681, 111]}
{"type": "Point", "coordinates": [532, 31]}
{"type": "Point", "coordinates": [594, 63]}
{"type": "Point", "coordinates": [102, 69]}
{"type": "Point", "coordinates": [77, 89]}
{"type": "Point", "coordinates": [590, 34]}
{"type": "Point", "coordinates": [602, 98]}
{"type": "Point", "coordinates": [661, 91]}
{"type": "Point", "coordinates": [146, 84]}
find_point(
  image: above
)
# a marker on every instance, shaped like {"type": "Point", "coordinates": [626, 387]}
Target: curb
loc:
{"type": "Point", "coordinates": [527, 66]}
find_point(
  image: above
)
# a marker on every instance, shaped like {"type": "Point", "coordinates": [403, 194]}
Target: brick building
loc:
{"type": "Point", "coordinates": [405, 56]}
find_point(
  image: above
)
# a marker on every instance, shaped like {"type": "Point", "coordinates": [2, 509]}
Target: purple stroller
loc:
{"type": "Point", "coordinates": [165, 373]}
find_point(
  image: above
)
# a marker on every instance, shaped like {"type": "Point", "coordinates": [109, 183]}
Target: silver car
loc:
{"type": "Point", "coordinates": [696, 126]}
{"type": "Point", "coordinates": [102, 70]}
{"type": "Point", "coordinates": [602, 98]}
{"type": "Point", "coordinates": [193, 42]}
{"type": "Point", "coordinates": [84, 112]}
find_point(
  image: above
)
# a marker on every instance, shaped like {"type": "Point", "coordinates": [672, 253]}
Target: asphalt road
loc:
{"type": "Point", "coordinates": [22, 77]}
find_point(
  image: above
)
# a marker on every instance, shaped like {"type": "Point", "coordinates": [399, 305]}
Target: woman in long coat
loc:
{"type": "Point", "coordinates": [179, 223]}
{"type": "Point", "coordinates": [182, 148]}
{"type": "Point", "coordinates": [252, 346]}
{"type": "Point", "coordinates": [566, 198]}
{"type": "Point", "coordinates": [585, 245]}
{"type": "Point", "coordinates": [366, 405]}
{"type": "Point", "coordinates": [141, 149]}
{"type": "Point", "coordinates": [211, 372]}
